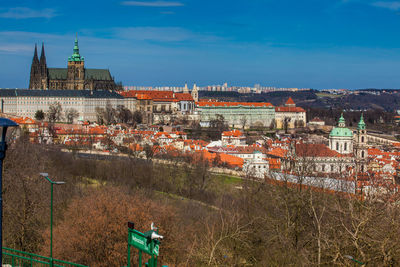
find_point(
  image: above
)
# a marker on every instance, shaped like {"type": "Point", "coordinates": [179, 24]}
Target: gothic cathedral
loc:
{"type": "Point", "coordinates": [74, 77]}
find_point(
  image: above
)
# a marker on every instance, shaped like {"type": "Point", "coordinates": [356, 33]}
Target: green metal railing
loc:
{"type": "Point", "coordinates": [14, 258]}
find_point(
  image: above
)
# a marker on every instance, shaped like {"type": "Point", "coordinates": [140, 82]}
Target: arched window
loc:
{"type": "Point", "coordinates": [323, 167]}
{"type": "Point", "coordinates": [345, 146]}
{"type": "Point", "coordinates": [362, 154]}
{"type": "Point", "coordinates": [337, 145]}
{"type": "Point", "coordinates": [332, 168]}
{"type": "Point", "coordinates": [362, 139]}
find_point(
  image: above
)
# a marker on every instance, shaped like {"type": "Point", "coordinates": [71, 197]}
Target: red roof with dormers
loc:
{"type": "Point", "coordinates": [233, 104]}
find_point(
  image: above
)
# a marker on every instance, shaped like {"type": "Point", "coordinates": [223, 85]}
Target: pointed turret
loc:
{"type": "Point", "coordinates": [35, 59]}
{"type": "Point", "coordinates": [361, 123]}
{"type": "Point", "coordinates": [186, 89]}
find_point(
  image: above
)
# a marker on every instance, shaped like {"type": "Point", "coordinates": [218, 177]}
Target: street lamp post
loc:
{"type": "Point", "coordinates": [46, 175]}
{"type": "Point", "coordinates": [4, 124]}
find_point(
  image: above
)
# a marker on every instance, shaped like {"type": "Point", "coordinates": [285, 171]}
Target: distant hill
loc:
{"type": "Point", "coordinates": [388, 100]}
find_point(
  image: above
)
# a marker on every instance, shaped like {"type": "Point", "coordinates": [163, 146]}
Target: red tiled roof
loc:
{"type": "Point", "coordinates": [232, 161]}
{"type": "Point", "coordinates": [234, 104]}
{"type": "Point", "coordinates": [274, 164]}
{"type": "Point", "coordinates": [290, 101]}
{"type": "Point", "coordinates": [165, 134]}
{"type": "Point", "coordinates": [278, 152]}
{"type": "Point", "coordinates": [183, 97]}
{"type": "Point", "coordinates": [315, 150]}
{"type": "Point", "coordinates": [160, 96]}
{"type": "Point", "coordinates": [234, 133]}
{"type": "Point", "coordinates": [24, 120]}
{"type": "Point", "coordinates": [289, 109]}
{"type": "Point", "coordinates": [316, 119]}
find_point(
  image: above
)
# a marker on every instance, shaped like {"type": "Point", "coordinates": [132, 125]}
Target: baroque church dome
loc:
{"type": "Point", "coordinates": [341, 131]}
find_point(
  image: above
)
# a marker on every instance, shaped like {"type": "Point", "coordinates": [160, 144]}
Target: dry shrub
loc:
{"type": "Point", "coordinates": [94, 230]}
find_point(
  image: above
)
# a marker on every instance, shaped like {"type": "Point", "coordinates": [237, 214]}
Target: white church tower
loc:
{"type": "Point", "coordinates": [195, 93]}
{"type": "Point", "coordinates": [360, 147]}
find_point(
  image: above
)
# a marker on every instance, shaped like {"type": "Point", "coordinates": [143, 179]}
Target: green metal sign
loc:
{"type": "Point", "coordinates": [140, 241]}
{"type": "Point", "coordinates": [145, 242]}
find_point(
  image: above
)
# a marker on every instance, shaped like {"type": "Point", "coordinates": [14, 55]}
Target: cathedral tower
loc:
{"type": "Point", "coordinates": [43, 69]}
{"type": "Point", "coordinates": [360, 147]}
{"type": "Point", "coordinates": [34, 81]}
{"type": "Point", "coordinates": [76, 70]}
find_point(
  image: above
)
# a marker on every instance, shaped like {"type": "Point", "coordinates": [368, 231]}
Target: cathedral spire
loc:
{"type": "Point", "coordinates": [35, 56]}
{"type": "Point", "coordinates": [76, 56]}
{"type": "Point", "coordinates": [43, 56]}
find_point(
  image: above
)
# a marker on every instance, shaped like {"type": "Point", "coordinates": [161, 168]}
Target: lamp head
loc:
{"type": "Point", "coordinates": [4, 124]}
{"type": "Point", "coordinates": [44, 174]}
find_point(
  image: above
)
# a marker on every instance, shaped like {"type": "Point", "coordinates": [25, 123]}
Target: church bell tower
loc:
{"type": "Point", "coordinates": [361, 148]}
{"type": "Point", "coordinates": [76, 70]}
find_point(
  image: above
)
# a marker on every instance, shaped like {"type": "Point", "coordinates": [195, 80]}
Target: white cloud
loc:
{"type": "Point", "coordinates": [28, 13]}
{"type": "Point", "coordinates": [152, 4]}
{"type": "Point", "coordinates": [394, 5]}
{"type": "Point", "coordinates": [15, 48]}
{"type": "Point", "coordinates": [163, 34]}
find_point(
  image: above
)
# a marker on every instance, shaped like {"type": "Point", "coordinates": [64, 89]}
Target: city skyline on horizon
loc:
{"type": "Point", "coordinates": [165, 43]}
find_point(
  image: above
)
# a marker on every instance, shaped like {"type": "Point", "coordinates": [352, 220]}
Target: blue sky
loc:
{"type": "Point", "coordinates": [284, 43]}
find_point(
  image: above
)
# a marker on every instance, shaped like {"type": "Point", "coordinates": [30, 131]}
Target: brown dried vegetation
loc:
{"type": "Point", "coordinates": [205, 222]}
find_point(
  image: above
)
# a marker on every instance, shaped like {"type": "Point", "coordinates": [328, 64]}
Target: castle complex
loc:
{"type": "Point", "coordinates": [74, 77]}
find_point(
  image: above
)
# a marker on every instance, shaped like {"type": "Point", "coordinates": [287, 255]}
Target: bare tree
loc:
{"type": "Point", "coordinates": [100, 115]}
{"type": "Point", "coordinates": [71, 114]}
{"type": "Point", "coordinates": [243, 122]}
{"type": "Point", "coordinates": [123, 114]}
{"type": "Point", "coordinates": [54, 113]}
